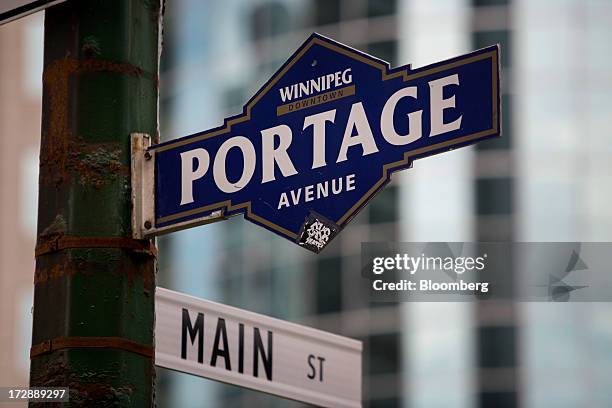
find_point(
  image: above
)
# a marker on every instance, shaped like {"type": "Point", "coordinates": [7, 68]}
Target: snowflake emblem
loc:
{"type": "Point", "coordinates": [318, 234]}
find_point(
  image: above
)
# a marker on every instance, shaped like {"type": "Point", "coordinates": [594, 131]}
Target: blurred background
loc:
{"type": "Point", "coordinates": [546, 179]}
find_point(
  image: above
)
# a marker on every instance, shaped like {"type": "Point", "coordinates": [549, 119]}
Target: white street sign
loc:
{"type": "Point", "coordinates": [250, 350]}
{"type": "Point", "coordinates": [13, 9]}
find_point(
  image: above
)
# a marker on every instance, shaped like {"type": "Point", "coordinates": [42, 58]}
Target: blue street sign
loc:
{"type": "Point", "coordinates": [316, 143]}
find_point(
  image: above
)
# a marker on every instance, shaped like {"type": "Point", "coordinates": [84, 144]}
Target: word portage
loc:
{"type": "Point", "coordinates": [321, 138]}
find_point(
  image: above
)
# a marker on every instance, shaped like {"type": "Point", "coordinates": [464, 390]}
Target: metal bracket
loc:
{"type": "Point", "coordinates": [143, 187]}
{"type": "Point", "coordinates": [143, 194]}
{"type": "Point", "coordinates": [61, 343]}
{"type": "Point", "coordinates": [54, 243]}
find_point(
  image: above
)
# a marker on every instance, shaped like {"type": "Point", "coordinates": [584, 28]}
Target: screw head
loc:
{"type": "Point", "coordinates": [147, 155]}
{"type": "Point", "coordinates": [148, 224]}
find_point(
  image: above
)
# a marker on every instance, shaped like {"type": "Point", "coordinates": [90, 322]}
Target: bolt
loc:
{"type": "Point", "coordinates": [148, 224]}
{"type": "Point", "coordinates": [147, 155]}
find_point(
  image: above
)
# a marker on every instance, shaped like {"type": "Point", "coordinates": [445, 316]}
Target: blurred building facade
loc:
{"type": "Point", "coordinates": [20, 111]}
{"type": "Point", "coordinates": [546, 179]}
{"type": "Point", "coordinates": [249, 267]}
{"type": "Point", "coordinates": [496, 330]}
{"type": "Point", "coordinates": [417, 355]}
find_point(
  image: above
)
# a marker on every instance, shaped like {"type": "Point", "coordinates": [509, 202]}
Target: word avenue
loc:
{"type": "Point", "coordinates": [321, 138]}
{"type": "Point", "coordinates": [318, 191]}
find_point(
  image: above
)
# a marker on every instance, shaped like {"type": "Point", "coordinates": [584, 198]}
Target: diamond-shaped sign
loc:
{"type": "Point", "coordinates": [320, 139]}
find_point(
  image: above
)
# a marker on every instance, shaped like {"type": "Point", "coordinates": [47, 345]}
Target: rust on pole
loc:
{"type": "Point", "coordinates": [94, 283]}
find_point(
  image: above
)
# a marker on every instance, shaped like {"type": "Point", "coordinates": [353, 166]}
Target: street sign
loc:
{"type": "Point", "coordinates": [319, 140]}
{"type": "Point", "coordinates": [247, 349]}
{"type": "Point", "coordinates": [13, 9]}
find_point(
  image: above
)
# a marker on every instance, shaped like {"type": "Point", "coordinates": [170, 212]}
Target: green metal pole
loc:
{"type": "Point", "coordinates": [94, 284]}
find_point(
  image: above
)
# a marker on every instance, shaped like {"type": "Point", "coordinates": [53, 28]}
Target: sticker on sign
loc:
{"type": "Point", "coordinates": [231, 345]}
{"type": "Point", "coordinates": [13, 9]}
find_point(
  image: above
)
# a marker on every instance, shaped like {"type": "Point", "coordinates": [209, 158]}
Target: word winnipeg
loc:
{"type": "Point", "coordinates": [322, 83]}
{"type": "Point", "coordinates": [358, 134]}
{"type": "Point", "coordinates": [220, 351]}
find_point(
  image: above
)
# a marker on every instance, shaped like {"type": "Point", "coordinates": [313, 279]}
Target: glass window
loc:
{"type": "Point", "coordinates": [494, 196]}
{"type": "Point", "coordinates": [29, 191]}
{"type": "Point", "coordinates": [383, 208]}
{"type": "Point", "coordinates": [230, 393]}
{"type": "Point", "coordinates": [384, 354]}
{"type": "Point", "coordinates": [385, 50]}
{"type": "Point", "coordinates": [498, 399]}
{"type": "Point", "coordinates": [284, 301]}
{"type": "Point", "coordinates": [33, 55]}
{"type": "Point", "coordinates": [497, 347]}
{"type": "Point", "coordinates": [231, 288]}
{"type": "Point", "coordinates": [326, 12]}
{"type": "Point", "coordinates": [234, 99]}
{"type": "Point", "coordinates": [268, 20]}
{"type": "Point", "coordinates": [478, 3]}
{"type": "Point", "coordinates": [329, 285]}
{"type": "Point", "coordinates": [485, 38]}
{"type": "Point", "coordinates": [385, 403]}
{"type": "Point", "coordinates": [378, 8]}
{"type": "Point", "coordinates": [167, 104]}
{"type": "Point", "coordinates": [22, 332]}
{"type": "Point", "coordinates": [503, 142]}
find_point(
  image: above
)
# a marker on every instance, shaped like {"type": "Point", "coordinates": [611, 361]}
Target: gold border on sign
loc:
{"type": "Point", "coordinates": [227, 205]}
